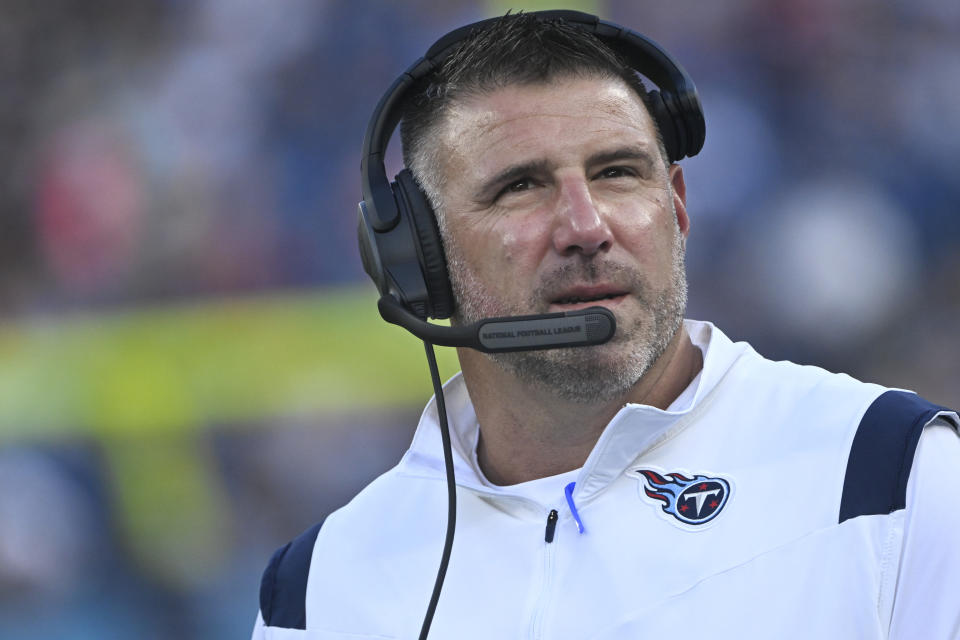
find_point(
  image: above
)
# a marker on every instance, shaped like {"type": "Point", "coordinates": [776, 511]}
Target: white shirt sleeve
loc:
{"type": "Point", "coordinates": [259, 630]}
{"type": "Point", "coordinates": [927, 598]}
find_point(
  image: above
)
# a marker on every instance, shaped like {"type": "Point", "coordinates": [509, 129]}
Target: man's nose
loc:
{"type": "Point", "coordinates": [580, 226]}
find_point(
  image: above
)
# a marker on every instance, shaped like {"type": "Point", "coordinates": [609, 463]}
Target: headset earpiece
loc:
{"type": "Point", "coordinates": [666, 124]}
{"type": "Point", "coordinates": [681, 128]}
{"type": "Point", "coordinates": [416, 207]}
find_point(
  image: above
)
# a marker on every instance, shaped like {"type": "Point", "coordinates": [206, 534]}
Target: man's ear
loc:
{"type": "Point", "coordinates": [679, 188]}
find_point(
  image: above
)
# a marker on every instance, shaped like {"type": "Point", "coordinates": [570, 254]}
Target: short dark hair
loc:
{"type": "Point", "coordinates": [517, 49]}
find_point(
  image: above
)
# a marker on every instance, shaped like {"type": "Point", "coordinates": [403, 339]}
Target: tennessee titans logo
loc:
{"type": "Point", "coordinates": [692, 501]}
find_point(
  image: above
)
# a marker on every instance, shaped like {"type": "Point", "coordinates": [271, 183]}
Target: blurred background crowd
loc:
{"type": "Point", "coordinates": [191, 366]}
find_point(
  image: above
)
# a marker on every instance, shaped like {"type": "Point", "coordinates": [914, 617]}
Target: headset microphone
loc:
{"type": "Point", "coordinates": [581, 328]}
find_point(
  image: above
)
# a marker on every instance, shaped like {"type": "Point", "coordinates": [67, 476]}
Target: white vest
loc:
{"type": "Point", "coordinates": [754, 513]}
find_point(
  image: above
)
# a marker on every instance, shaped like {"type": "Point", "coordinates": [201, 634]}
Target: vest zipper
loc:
{"type": "Point", "coordinates": [545, 588]}
{"type": "Point", "coordinates": [551, 525]}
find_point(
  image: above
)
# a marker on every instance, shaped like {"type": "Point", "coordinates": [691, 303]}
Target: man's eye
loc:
{"type": "Point", "coordinates": [517, 186]}
{"type": "Point", "coordinates": [616, 172]}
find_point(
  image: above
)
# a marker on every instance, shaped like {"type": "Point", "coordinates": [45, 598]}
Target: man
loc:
{"type": "Point", "coordinates": [668, 481]}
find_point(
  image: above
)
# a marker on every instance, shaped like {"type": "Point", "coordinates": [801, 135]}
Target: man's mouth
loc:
{"type": "Point", "coordinates": [586, 298]}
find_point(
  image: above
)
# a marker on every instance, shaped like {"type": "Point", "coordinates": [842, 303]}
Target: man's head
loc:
{"type": "Point", "coordinates": [554, 194]}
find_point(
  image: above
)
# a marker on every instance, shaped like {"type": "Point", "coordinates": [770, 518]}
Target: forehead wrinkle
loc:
{"type": "Point", "coordinates": [496, 134]}
{"type": "Point", "coordinates": [617, 101]}
{"type": "Point", "coordinates": [475, 118]}
{"type": "Point", "coordinates": [624, 103]}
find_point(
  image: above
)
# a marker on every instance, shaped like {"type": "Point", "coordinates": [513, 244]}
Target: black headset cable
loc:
{"type": "Point", "coordinates": [451, 490]}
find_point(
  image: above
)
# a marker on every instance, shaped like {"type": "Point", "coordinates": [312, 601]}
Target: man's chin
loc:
{"type": "Point", "coordinates": [582, 375]}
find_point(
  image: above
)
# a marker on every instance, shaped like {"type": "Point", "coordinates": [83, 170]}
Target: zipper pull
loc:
{"type": "Point", "coordinates": [551, 525]}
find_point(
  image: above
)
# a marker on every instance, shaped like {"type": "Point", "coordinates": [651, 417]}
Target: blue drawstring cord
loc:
{"type": "Point", "coordinates": [568, 491]}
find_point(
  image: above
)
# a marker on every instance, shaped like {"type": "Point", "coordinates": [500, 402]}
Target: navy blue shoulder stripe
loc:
{"type": "Point", "coordinates": [882, 454]}
{"type": "Point", "coordinates": [283, 588]}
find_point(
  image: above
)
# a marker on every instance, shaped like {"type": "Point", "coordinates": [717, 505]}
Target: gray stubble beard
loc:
{"type": "Point", "coordinates": [583, 375]}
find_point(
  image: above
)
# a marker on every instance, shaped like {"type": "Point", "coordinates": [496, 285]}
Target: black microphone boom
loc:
{"type": "Point", "coordinates": [582, 328]}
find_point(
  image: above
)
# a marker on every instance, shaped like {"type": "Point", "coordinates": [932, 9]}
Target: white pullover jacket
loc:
{"type": "Point", "coordinates": [770, 501]}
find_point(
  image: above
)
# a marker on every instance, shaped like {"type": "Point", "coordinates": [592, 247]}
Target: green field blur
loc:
{"type": "Point", "coordinates": [178, 368]}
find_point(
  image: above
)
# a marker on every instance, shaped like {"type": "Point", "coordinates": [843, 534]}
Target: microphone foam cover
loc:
{"type": "Point", "coordinates": [600, 327]}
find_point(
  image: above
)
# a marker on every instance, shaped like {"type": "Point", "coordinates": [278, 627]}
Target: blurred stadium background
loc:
{"type": "Point", "coordinates": [191, 366]}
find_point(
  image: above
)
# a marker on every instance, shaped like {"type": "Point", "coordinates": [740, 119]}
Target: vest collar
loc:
{"type": "Point", "coordinates": [633, 430]}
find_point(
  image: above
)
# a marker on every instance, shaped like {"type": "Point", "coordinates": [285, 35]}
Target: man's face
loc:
{"type": "Point", "coordinates": [556, 198]}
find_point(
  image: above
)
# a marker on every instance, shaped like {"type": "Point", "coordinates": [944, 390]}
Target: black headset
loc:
{"type": "Point", "coordinates": [398, 235]}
